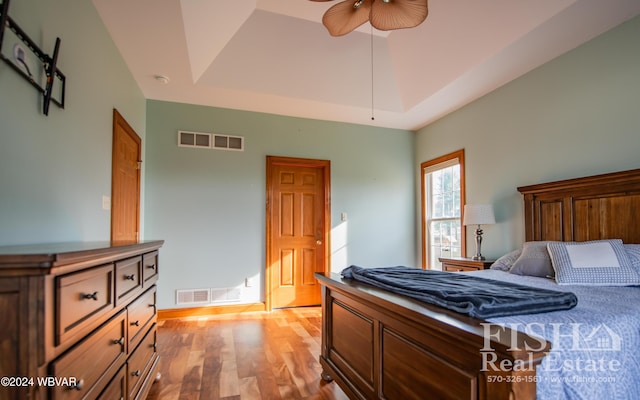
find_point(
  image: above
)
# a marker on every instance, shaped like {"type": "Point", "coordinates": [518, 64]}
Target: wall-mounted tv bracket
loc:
{"type": "Point", "coordinates": [49, 63]}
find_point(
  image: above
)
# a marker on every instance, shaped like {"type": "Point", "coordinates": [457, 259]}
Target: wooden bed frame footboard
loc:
{"type": "Point", "coordinates": [377, 345]}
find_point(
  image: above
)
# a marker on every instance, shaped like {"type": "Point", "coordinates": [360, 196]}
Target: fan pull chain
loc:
{"type": "Point", "coordinates": [371, 35]}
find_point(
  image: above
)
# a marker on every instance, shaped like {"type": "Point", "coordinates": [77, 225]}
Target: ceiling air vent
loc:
{"type": "Point", "coordinates": [194, 139]}
{"type": "Point", "coordinates": [226, 142]}
{"type": "Point", "coordinates": [210, 141]}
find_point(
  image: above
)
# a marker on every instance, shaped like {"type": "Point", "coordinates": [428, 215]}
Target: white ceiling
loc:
{"type": "Point", "coordinates": [275, 56]}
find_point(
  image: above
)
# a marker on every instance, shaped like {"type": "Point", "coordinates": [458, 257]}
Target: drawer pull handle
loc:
{"type": "Point", "coordinates": [90, 296]}
{"type": "Point", "coordinates": [129, 277]}
{"type": "Point", "coordinates": [151, 266]}
{"type": "Point", "coordinates": [135, 323]}
{"type": "Point", "coordinates": [119, 341]}
{"type": "Point", "coordinates": [136, 373]}
{"type": "Point", "coordinates": [78, 386]}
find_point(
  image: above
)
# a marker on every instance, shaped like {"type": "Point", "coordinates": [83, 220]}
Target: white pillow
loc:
{"type": "Point", "coordinates": [598, 262]}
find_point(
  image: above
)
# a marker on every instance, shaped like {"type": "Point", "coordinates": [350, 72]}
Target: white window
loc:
{"type": "Point", "coordinates": [443, 201]}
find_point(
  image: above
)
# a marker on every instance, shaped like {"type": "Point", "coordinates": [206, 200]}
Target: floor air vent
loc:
{"type": "Point", "coordinates": [193, 296]}
{"type": "Point", "coordinates": [206, 296]}
{"type": "Point", "coordinates": [223, 295]}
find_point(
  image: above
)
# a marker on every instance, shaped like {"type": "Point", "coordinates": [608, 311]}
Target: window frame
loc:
{"type": "Point", "coordinates": [447, 158]}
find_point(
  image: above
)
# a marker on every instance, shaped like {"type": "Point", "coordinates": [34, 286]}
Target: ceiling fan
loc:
{"type": "Point", "coordinates": [384, 15]}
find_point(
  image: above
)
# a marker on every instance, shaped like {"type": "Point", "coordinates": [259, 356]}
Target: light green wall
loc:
{"type": "Point", "coordinates": [54, 170]}
{"type": "Point", "coordinates": [575, 116]}
{"type": "Point", "coordinates": [209, 205]}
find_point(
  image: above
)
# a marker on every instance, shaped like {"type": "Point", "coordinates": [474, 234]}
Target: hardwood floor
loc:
{"type": "Point", "coordinates": [243, 357]}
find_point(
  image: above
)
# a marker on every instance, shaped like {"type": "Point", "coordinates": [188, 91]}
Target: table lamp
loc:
{"type": "Point", "coordinates": [478, 214]}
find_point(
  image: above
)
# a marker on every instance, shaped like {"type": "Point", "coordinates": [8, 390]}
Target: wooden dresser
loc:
{"type": "Point", "coordinates": [458, 264]}
{"type": "Point", "coordinates": [78, 320]}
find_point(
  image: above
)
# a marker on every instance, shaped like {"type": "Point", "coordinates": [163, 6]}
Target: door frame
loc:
{"type": "Point", "coordinates": [119, 121]}
{"type": "Point", "coordinates": [325, 166]}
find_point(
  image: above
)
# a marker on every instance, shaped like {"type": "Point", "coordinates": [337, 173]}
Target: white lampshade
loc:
{"type": "Point", "coordinates": [478, 214]}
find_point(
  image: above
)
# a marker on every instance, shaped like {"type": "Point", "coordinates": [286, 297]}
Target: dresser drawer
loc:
{"type": "Point", "coordinates": [140, 313]}
{"type": "Point", "coordinates": [82, 297]}
{"type": "Point", "coordinates": [117, 388]}
{"type": "Point", "coordinates": [149, 269]}
{"type": "Point", "coordinates": [92, 362]}
{"type": "Point", "coordinates": [141, 363]}
{"type": "Point", "coordinates": [128, 279]}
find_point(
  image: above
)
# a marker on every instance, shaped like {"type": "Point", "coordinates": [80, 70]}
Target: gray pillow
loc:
{"type": "Point", "coordinates": [534, 261]}
{"type": "Point", "coordinates": [505, 262]}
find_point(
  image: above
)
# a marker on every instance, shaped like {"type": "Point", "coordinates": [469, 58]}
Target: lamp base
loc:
{"type": "Point", "coordinates": [478, 255]}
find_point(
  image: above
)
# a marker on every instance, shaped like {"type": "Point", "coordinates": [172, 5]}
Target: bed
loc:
{"type": "Point", "coordinates": [381, 345]}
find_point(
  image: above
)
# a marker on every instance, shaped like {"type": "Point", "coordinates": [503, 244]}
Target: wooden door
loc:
{"type": "Point", "coordinates": [298, 224]}
{"type": "Point", "coordinates": [125, 181]}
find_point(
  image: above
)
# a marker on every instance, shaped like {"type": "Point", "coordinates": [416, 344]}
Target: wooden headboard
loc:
{"type": "Point", "coordinates": [596, 207]}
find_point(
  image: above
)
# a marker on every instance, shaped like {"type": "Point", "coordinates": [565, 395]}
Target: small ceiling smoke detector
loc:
{"type": "Point", "coordinates": [161, 78]}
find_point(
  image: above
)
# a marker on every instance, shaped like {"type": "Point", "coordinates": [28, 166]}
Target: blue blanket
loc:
{"type": "Point", "coordinates": [465, 294]}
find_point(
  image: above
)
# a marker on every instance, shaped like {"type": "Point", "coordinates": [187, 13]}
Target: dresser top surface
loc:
{"type": "Point", "coordinates": [47, 255]}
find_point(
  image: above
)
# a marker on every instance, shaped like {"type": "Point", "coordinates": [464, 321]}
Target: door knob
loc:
{"type": "Point", "coordinates": [318, 242]}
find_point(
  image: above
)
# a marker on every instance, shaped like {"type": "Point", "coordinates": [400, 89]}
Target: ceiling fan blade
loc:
{"type": "Point", "coordinates": [343, 17]}
{"type": "Point", "coordinates": [398, 14]}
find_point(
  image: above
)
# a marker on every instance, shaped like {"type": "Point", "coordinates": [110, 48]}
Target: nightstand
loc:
{"type": "Point", "coordinates": [457, 264]}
